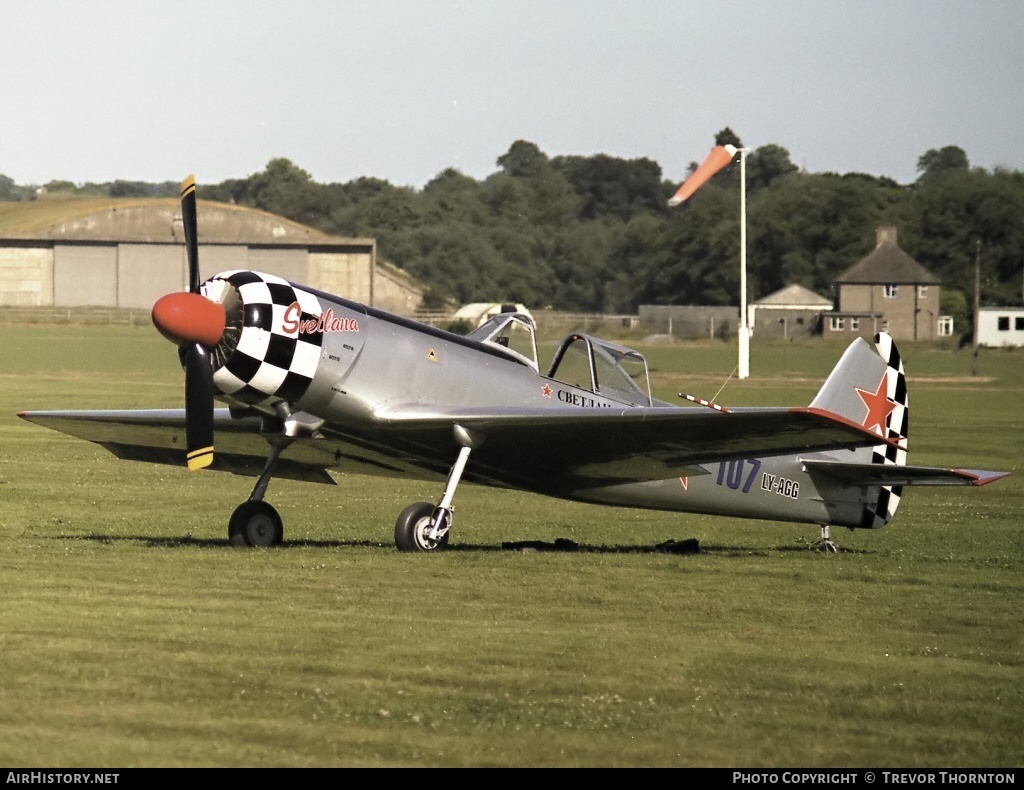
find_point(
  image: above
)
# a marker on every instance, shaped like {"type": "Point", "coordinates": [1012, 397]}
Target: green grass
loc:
{"type": "Point", "coordinates": [132, 634]}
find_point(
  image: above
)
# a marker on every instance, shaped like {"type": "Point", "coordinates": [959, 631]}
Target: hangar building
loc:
{"type": "Point", "coordinates": [128, 252]}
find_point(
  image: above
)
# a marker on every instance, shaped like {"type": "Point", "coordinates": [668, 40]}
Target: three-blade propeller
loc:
{"type": "Point", "coordinates": [196, 324]}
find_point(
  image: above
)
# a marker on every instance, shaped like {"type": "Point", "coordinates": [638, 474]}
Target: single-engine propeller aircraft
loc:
{"type": "Point", "coordinates": [312, 383]}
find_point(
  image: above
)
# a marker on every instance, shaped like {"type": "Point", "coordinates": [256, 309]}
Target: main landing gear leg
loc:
{"type": "Point", "coordinates": [255, 522]}
{"type": "Point", "coordinates": [423, 527]}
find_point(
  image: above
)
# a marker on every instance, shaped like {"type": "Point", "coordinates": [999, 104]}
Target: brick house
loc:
{"type": "Point", "coordinates": [888, 290]}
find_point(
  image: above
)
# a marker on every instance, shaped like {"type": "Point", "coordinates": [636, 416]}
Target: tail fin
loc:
{"type": "Point", "coordinates": [869, 387]}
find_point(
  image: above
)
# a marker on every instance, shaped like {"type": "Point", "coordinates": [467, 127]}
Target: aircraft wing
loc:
{"type": "Point", "coordinates": [158, 436]}
{"type": "Point", "coordinates": [547, 449]}
{"type": "Point", "coordinates": [555, 449]}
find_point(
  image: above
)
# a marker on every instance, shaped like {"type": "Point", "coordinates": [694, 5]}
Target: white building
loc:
{"type": "Point", "coordinates": [1001, 326]}
{"type": "Point", "coordinates": [793, 311]}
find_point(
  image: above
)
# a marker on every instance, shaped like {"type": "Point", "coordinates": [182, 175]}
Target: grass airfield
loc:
{"type": "Point", "coordinates": [133, 635]}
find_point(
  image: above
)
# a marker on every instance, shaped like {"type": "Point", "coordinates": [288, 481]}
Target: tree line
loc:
{"type": "Point", "coordinates": [595, 233]}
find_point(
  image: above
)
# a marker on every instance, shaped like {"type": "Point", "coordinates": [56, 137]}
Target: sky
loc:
{"type": "Point", "coordinates": [151, 90]}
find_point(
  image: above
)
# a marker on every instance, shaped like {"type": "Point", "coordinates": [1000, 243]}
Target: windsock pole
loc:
{"type": "Point", "coordinates": [720, 156]}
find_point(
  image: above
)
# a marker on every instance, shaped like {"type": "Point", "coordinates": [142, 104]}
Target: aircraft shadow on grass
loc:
{"type": "Point", "coordinates": [559, 545]}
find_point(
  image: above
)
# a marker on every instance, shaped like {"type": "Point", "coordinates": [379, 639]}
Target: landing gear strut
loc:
{"type": "Point", "coordinates": [424, 527]}
{"type": "Point", "coordinates": [256, 522]}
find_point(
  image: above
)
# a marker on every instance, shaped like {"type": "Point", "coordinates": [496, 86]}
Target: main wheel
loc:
{"type": "Point", "coordinates": [412, 529]}
{"type": "Point", "coordinates": [255, 523]}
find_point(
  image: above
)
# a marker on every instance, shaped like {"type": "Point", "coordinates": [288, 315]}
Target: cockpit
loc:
{"type": "Point", "coordinates": [583, 361]}
{"type": "Point", "coordinates": [604, 368]}
{"type": "Point", "coordinates": [514, 333]}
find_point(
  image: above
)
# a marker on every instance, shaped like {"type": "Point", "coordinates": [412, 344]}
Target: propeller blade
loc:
{"type": "Point", "coordinates": [196, 324]}
{"type": "Point", "coordinates": [190, 221]}
{"type": "Point", "coordinates": [199, 391]}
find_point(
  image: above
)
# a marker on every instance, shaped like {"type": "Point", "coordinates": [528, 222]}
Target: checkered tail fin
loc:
{"type": "Point", "coordinates": [869, 387]}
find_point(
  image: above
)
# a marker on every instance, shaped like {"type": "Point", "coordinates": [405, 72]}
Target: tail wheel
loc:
{"type": "Point", "coordinates": [255, 523]}
{"type": "Point", "coordinates": [414, 526]}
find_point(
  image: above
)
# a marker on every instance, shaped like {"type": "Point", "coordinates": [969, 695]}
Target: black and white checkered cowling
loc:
{"type": "Point", "coordinates": [896, 427]}
{"type": "Point", "coordinates": [268, 365]}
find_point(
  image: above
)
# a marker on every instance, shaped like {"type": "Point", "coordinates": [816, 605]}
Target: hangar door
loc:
{"type": "Point", "coordinates": [84, 276]}
{"type": "Point", "coordinates": [291, 263]}
{"type": "Point", "coordinates": [146, 272]}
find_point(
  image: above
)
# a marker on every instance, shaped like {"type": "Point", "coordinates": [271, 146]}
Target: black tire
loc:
{"type": "Point", "coordinates": [255, 523]}
{"type": "Point", "coordinates": [412, 526]}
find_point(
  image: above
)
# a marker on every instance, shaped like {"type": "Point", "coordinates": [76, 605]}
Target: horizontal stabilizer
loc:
{"type": "Point", "coordinates": [891, 475]}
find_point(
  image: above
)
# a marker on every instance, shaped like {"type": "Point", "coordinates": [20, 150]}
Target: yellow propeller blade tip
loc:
{"type": "Point", "coordinates": [200, 459]}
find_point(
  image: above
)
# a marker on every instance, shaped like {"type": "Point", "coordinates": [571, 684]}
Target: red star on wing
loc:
{"type": "Point", "coordinates": [879, 406]}
{"type": "Point", "coordinates": [546, 390]}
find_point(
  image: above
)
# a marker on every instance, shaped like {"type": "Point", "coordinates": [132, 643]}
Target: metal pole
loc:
{"type": "Point", "coordinates": [373, 268]}
{"type": "Point", "coordinates": [977, 304]}
{"type": "Point", "coordinates": [744, 330]}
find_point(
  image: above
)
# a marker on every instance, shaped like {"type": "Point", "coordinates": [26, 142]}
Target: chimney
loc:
{"type": "Point", "coordinates": [885, 233]}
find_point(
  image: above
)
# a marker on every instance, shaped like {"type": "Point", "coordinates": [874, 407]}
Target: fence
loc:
{"type": "Point", "coordinates": [75, 315]}
{"type": "Point", "coordinates": [548, 322]}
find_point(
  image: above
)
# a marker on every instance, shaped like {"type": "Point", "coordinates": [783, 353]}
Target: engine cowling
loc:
{"type": "Point", "coordinates": [271, 345]}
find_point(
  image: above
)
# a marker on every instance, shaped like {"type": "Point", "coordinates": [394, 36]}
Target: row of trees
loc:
{"type": "Point", "coordinates": [595, 234]}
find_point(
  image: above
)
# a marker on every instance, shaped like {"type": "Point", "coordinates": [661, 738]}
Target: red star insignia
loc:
{"type": "Point", "coordinates": [546, 390]}
{"type": "Point", "coordinates": [879, 406]}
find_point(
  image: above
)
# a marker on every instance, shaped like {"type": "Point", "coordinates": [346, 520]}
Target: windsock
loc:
{"type": "Point", "coordinates": [720, 156]}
